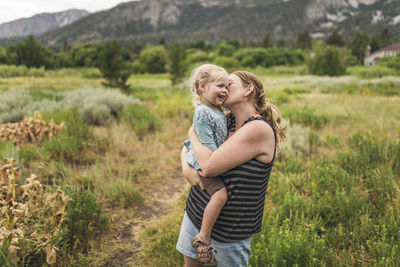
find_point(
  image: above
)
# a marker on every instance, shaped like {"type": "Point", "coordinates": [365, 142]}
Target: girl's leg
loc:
{"type": "Point", "coordinates": [189, 262]}
{"type": "Point", "coordinates": [211, 213]}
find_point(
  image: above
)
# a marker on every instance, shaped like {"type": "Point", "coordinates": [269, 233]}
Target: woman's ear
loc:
{"type": "Point", "coordinates": [249, 89]}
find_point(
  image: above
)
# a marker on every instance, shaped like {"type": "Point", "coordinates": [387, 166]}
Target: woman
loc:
{"type": "Point", "coordinates": [244, 163]}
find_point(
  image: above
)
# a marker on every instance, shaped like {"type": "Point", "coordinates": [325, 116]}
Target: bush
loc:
{"type": "Point", "coordinates": [9, 71]}
{"type": "Point", "coordinates": [365, 72]}
{"type": "Point", "coordinates": [327, 61]}
{"type": "Point", "coordinates": [176, 103]}
{"type": "Point", "coordinates": [124, 194]}
{"type": "Point", "coordinates": [306, 116]}
{"type": "Point", "coordinates": [97, 106]}
{"type": "Point", "coordinates": [71, 142]}
{"type": "Point", "coordinates": [196, 56]}
{"type": "Point", "coordinates": [368, 153]}
{"type": "Point", "coordinates": [286, 70]}
{"type": "Point", "coordinates": [228, 63]}
{"type": "Point", "coordinates": [84, 221]}
{"type": "Point", "coordinates": [153, 59]}
{"type": "Point", "coordinates": [140, 118]}
{"type": "Point", "coordinates": [294, 243]}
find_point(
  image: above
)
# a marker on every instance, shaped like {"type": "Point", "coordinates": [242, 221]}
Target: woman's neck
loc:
{"type": "Point", "coordinates": [242, 113]}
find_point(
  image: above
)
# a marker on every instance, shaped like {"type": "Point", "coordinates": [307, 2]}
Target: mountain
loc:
{"type": "Point", "coordinates": [213, 20]}
{"type": "Point", "coordinates": [40, 23]}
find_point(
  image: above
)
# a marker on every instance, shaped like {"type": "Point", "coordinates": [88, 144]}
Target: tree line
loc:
{"type": "Point", "coordinates": [116, 62]}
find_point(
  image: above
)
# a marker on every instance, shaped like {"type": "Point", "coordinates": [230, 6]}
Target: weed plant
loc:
{"type": "Point", "coordinates": [9, 71]}
{"type": "Point", "coordinates": [84, 221]}
{"type": "Point", "coordinates": [124, 194]}
{"type": "Point", "coordinates": [306, 116]}
{"type": "Point", "coordinates": [140, 118]}
{"type": "Point", "coordinates": [376, 71]}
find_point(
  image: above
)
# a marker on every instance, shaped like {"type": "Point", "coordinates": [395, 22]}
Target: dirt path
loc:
{"type": "Point", "coordinates": [157, 205]}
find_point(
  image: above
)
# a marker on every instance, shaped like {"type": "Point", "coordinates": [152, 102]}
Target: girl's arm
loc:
{"type": "Point", "coordinates": [188, 171]}
{"type": "Point", "coordinates": [252, 140]}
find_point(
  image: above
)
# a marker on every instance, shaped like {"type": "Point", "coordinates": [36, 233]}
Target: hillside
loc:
{"type": "Point", "coordinates": [40, 23]}
{"type": "Point", "coordinates": [213, 20]}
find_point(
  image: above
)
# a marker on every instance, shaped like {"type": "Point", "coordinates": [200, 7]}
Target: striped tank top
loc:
{"type": "Point", "coordinates": [246, 185]}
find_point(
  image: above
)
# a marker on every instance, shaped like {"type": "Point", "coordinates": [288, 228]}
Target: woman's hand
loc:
{"type": "Point", "coordinates": [192, 133]}
{"type": "Point", "coordinates": [189, 172]}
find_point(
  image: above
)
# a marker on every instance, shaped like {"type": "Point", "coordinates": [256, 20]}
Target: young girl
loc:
{"type": "Point", "coordinates": [210, 90]}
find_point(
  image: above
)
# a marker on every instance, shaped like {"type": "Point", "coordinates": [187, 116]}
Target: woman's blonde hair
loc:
{"type": "Point", "coordinates": [206, 73]}
{"type": "Point", "coordinates": [262, 104]}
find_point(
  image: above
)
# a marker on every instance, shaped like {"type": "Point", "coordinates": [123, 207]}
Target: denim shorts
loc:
{"type": "Point", "coordinates": [230, 254]}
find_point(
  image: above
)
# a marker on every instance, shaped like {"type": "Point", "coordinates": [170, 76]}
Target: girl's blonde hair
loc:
{"type": "Point", "coordinates": [206, 73]}
{"type": "Point", "coordinates": [262, 104]}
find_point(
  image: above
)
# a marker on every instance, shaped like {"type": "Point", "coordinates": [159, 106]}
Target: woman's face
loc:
{"type": "Point", "coordinates": [235, 91]}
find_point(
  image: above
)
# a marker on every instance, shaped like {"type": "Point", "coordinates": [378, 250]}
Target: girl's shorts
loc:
{"type": "Point", "coordinates": [229, 254]}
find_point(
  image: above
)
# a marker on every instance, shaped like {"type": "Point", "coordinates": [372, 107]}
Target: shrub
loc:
{"type": "Point", "coordinates": [228, 63]}
{"type": "Point", "coordinates": [124, 194]}
{"type": "Point", "coordinates": [153, 59]}
{"type": "Point", "coordinates": [297, 140]}
{"type": "Point", "coordinates": [294, 243]}
{"type": "Point", "coordinates": [9, 71]}
{"type": "Point", "coordinates": [306, 116]}
{"type": "Point", "coordinates": [97, 106]}
{"type": "Point", "coordinates": [368, 153]}
{"type": "Point", "coordinates": [327, 61]}
{"type": "Point", "coordinates": [70, 143]}
{"type": "Point", "coordinates": [140, 118]}
{"type": "Point", "coordinates": [176, 103]}
{"type": "Point", "coordinates": [365, 72]}
{"type": "Point", "coordinates": [84, 221]}
{"type": "Point", "coordinates": [196, 56]}
{"type": "Point", "coordinates": [279, 97]}
{"type": "Point", "coordinates": [297, 90]}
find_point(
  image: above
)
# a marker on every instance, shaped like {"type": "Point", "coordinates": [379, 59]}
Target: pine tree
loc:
{"type": "Point", "coordinates": [176, 62]}
{"type": "Point", "coordinates": [113, 67]}
{"type": "Point", "coordinates": [304, 40]}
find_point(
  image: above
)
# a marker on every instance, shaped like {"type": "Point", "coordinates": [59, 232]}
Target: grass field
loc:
{"type": "Point", "coordinates": [333, 197]}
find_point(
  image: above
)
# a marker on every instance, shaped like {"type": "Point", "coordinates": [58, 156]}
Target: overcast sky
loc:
{"type": "Point", "coordinates": [16, 9]}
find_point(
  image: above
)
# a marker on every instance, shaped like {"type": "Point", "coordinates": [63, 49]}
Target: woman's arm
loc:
{"type": "Point", "coordinates": [188, 171]}
{"type": "Point", "coordinates": [252, 140]}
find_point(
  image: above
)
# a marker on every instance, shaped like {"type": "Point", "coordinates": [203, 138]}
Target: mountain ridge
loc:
{"type": "Point", "coordinates": [40, 23]}
{"type": "Point", "coordinates": [214, 20]}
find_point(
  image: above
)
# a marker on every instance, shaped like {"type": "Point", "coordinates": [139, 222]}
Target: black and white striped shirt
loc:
{"type": "Point", "coordinates": [242, 215]}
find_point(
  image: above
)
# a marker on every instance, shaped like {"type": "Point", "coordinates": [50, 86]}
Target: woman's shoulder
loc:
{"type": "Point", "coordinates": [259, 128]}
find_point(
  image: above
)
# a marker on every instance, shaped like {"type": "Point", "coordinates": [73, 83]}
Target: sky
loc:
{"type": "Point", "coordinates": [17, 9]}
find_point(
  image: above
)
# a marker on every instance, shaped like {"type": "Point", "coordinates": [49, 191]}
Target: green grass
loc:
{"type": "Point", "coordinates": [332, 198]}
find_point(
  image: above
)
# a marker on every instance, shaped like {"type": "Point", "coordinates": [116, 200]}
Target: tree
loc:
{"type": "Point", "coordinates": [359, 44]}
{"type": "Point", "coordinates": [176, 62]}
{"type": "Point", "coordinates": [280, 43]}
{"type": "Point", "coordinates": [335, 39]}
{"type": "Point", "coordinates": [153, 59]}
{"type": "Point", "coordinates": [113, 67]}
{"type": "Point", "coordinates": [31, 53]}
{"type": "Point", "coordinates": [304, 40]}
{"type": "Point", "coordinates": [225, 49]}
{"type": "Point", "coordinates": [327, 61]}
{"type": "Point", "coordinates": [266, 41]}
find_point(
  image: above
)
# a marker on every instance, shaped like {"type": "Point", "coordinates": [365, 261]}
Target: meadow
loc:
{"type": "Point", "coordinates": [332, 200]}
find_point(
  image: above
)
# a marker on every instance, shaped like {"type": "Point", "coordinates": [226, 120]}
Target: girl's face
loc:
{"type": "Point", "coordinates": [235, 90]}
{"type": "Point", "coordinates": [216, 92]}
